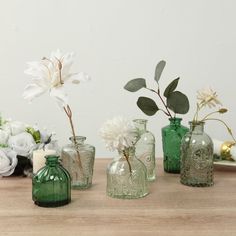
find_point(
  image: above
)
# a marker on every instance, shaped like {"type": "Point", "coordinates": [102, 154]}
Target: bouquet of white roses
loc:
{"type": "Point", "coordinates": [17, 143]}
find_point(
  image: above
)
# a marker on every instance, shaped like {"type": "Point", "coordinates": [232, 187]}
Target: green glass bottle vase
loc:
{"type": "Point", "coordinates": [81, 174]}
{"type": "Point", "coordinates": [145, 148]}
{"type": "Point", "coordinates": [51, 185]}
{"type": "Point", "coordinates": [121, 183]}
{"type": "Point", "coordinates": [171, 141]}
{"type": "Point", "coordinates": [197, 157]}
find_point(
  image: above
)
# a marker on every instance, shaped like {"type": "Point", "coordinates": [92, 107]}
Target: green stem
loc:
{"type": "Point", "coordinates": [163, 102]}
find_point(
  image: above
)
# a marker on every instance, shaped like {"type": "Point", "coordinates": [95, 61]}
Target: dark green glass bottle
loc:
{"type": "Point", "coordinates": [171, 141]}
{"type": "Point", "coordinates": [51, 184]}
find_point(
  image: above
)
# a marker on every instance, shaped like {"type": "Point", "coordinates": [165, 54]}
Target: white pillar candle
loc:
{"type": "Point", "coordinates": [39, 158]}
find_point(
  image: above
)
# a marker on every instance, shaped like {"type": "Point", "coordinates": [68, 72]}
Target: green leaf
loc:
{"type": "Point", "coordinates": [159, 68]}
{"type": "Point", "coordinates": [178, 102]}
{"type": "Point", "coordinates": [135, 84]}
{"type": "Point", "coordinates": [147, 105]}
{"type": "Point", "coordinates": [35, 133]}
{"type": "Point", "coordinates": [171, 87]}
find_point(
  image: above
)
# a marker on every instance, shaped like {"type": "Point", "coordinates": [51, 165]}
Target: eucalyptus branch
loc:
{"type": "Point", "coordinates": [163, 102]}
{"type": "Point", "coordinates": [127, 159]}
{"type": "Point", "coordinates": [229, 130]}
{"type": "Point", "coordinates": [69, 115]}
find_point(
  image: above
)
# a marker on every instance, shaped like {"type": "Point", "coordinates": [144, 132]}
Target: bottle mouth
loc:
{"type": "Point", "coordinates": [175, 118]}
{"type": "Point", "coordinates": [78, 138]}
{"type": "Point", "coordinates": [140, 121]}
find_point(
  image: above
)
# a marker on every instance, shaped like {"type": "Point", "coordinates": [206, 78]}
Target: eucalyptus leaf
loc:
{"type": "Point", "coordinates": [171, 87]}
{"type": "Point", "coordinates": [147, 105]}
{"type": "Point", "coordinates": [159, 68]}
{"type": "Point", "coordinates": [135, 84]}
{"type": "Point", "coordinates": [178, 102]}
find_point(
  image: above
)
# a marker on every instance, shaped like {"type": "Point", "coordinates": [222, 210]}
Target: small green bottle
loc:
{"type": "Point", "coordinates": [171, 141]}
{"type": "Point", "coordinates": [51, 184]}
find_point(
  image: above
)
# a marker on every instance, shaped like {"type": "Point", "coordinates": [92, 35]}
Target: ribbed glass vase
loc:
{"type": "Point", "coordinates": [51, 185]}
{"type": "Point", "coordinates": [145, 148]}
{"type": "Point", "coordinates": [80, 167]}
{"type": "Point", "coordinates": [121, 183]}
{"type": "Point", "coordinates": [171, 141]}
{"type": "Point", "coordinates": [197, 157]}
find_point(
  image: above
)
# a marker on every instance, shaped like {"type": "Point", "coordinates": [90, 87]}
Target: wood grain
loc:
{"type": "Point", "coordinates": [169, 209]}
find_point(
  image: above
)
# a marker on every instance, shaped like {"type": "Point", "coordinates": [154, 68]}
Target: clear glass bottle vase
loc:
{"type": "Point", "coordinates": [197, 157]}
{"type": "Point", "coordinates": [78, 159]}
{"type": "Point", "coordinates": [51, 185]}
{"type": "Point", "coordinates": [171, 141]}
{"type": "Point", "coordinates": [121, 183]}
{"type": "Point", "coordinates": [145, 148]}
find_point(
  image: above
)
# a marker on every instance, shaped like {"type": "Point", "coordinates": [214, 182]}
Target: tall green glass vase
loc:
{"type": "Point", "coordinates": [197, 157]}
{"type": "Point", "coordinates": [145, 148]}
{"type": "Point", "coordinates": [51, 185]}
{"type": "Point", "coordinates": [171, 141]}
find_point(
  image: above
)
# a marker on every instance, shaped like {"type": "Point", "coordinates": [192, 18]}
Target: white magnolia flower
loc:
{"type": "Point", "coordinates": [23, 144]}
{"type": "Point", "coordinates": [208, 97]}
{"type": "Point", "coordinates": [14, 127]}
{"type": "Point", "coordinates": [8, 161]}
{"type": "Point", "coordinates": [118, 133]}
{"type": "Point", "coordinates": [49, 75]}
{"type": "Point", "coordinates": [4, 135]}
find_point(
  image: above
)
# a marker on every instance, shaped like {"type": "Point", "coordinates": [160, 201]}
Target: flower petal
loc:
{"type": "Point", "coordinates": [60, 96]}
{"type": "Point", "coordinates": [81, 77]}
{"type": "Point", "coordinates": [32, 91]}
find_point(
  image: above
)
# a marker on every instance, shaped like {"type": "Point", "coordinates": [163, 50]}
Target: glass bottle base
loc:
{"type": "Point", "coordinates": [81, 186]}
{"type": "Point", "coordinates": [151, 178]}
{"type": "Point", "coordinates": [197, 184]}
{"type": "Point", "coordinates": [172, 171]}
{"type": "Point", "coordinates": [52, 204]}
{"type": "Point", "coordinates": [122, 196]}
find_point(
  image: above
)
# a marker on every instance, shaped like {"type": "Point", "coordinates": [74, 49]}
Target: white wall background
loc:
{"type": "Point", "coordinates": [117, 40]}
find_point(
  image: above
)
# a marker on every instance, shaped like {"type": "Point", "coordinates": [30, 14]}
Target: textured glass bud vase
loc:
{"type": "Point", "coordinates": [81, 177]}
{"type": "Point", "coordinates": [51, 184]}
{"type": "Point", "coordinates": [171, 141]}
{"type": "Point", "coordinates": [197, 157]}
{"type": "Point", "coordinates": [145, 148]}
{"type": "Point", "coordinates": [121, 183]}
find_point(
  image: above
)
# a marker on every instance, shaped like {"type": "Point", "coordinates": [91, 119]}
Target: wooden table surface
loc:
{"type": "Point", "coordinates": [169, 209]}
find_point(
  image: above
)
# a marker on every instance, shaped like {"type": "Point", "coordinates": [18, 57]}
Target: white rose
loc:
{"type": "Point", "coordinates": [23, 144]}
{"type": "Point", "coordinates": [14, 127]}
{"type": "Point", "coordinates": [4, 135]}
{"type": "Point", "coordinates": [8, 161]}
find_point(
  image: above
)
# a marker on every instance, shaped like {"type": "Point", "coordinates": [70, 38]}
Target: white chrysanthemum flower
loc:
{"type": "Point", "coordinates": [118, 133]}
{"type": "Point", "coordinates": [208, 97]}
{"type": "Point", "coordinates": [49, 75]}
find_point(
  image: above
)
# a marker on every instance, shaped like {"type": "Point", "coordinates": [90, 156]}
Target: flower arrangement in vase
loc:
{"type": "Point", "coordinates": [173, 102]}
{"type": "Point", "coordinates": [197, 146]}
{"type": "Point", "coordinates": [17, 143]}
{"type": "Point", "coordinates": [50, 74]}
{"type": "Point", "coordinates": [126, 175]}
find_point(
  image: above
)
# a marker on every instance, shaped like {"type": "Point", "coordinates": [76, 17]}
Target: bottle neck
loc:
{"type": "Point", "coordinates": [52, 160]}
{"type": "Point", "coordinates": [141, 125]}
{"type": "Point", "coordinates": [197, 127]}
{"type": "Point", "coordinates": [175, 121]}
{"type": "Point", "coordinates": [79, 140]}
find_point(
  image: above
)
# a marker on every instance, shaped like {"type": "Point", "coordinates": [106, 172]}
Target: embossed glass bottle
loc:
{"type": "Point", "coordinates": [121, 183]}
{"type": "Point", "coordinates": [171, 141]}
{"type": "Point", "coordinates": [51, 185]}
{"type": "Point", "coordinates": [197, 157]}
{"type": "Point", "coordinates": [145, 148]}
{"type": "Point", "coordinates": [81, 177]}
